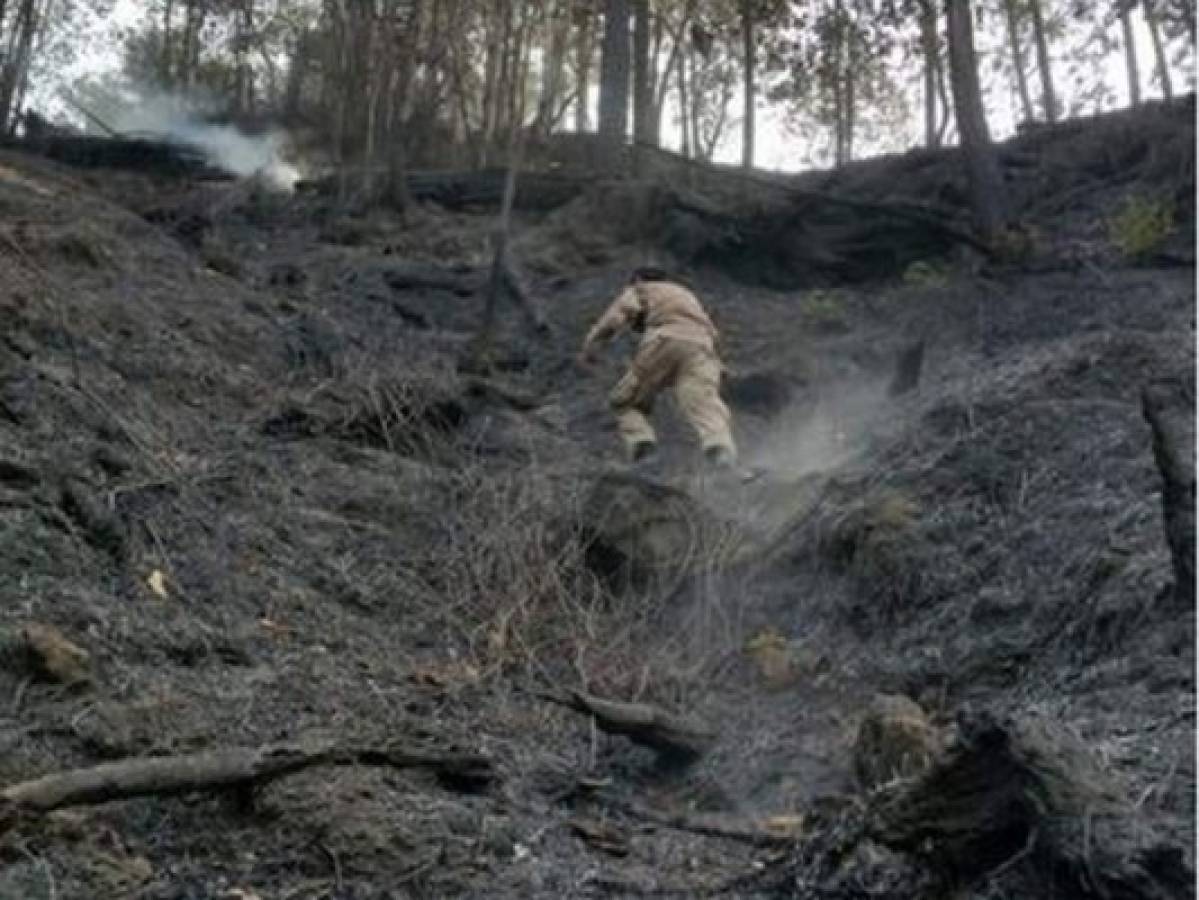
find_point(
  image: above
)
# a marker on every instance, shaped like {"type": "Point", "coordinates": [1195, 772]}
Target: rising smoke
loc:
{"type": "Point", "coordinates": [225, 146]}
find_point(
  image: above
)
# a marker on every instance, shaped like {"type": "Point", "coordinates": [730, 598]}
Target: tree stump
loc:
{"type": "Point", "coordinates": [1169, 408]}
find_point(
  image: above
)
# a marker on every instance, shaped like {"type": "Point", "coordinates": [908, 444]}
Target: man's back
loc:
{"type": "Point", "coordinates": [673, 311]}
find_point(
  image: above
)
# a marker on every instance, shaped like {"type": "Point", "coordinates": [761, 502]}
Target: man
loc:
{"type": "Point", "coordinates": [678, 351]}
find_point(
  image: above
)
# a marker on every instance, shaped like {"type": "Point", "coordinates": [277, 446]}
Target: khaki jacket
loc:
{"type": "Point", "coordinates": [670, 311]}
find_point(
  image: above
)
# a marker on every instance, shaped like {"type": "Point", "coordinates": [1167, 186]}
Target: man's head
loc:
{"type": "Point", "coordinates": [643, 274]}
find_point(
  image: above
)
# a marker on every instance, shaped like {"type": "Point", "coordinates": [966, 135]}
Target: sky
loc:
{"type": "Point", "coordinates": [779, 146]}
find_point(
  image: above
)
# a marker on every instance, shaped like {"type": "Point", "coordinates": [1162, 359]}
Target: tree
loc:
{"type": "Point", "coordinates": [17, 59]}
{"type": "Point", "coordinates": [1048, 95]}
{"type": "Point", "coordinates": [934, 73]}
{"type": "Point", "coordinates": [982, 165]}
{"type": "Point", "coordinates": [748, 50]}
{"type": "Point", "coordinates": [1130, 57]}
{"type": "Point", "coordinates": [1012, 14]}
{"type": "Point", "coordinates": [584, 52]}
{"type": "Point", "coordinates": [614, 80]}
{"type": "Point", "coordinates": [643, 130]}
{"type": "Point", "coordinates": [1149, 8]}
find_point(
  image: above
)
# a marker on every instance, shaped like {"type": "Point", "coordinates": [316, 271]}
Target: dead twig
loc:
{"type": "Point", "coordinates": [677, 740]}
{"type": "Point", "coordinates": [703, 827]}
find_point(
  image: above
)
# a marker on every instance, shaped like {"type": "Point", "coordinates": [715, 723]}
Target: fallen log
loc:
{"type": "Point", "coordinates": [417, 276]}
{"type": "Point", "coordinates": [1169, 408]}
{"type": "Point", "coordinates": [537, 191]}
{"type": "Point", "coordinates": [221, 769]}
{"type": "Point", "coordinates": [1026, 801]}
{"type": "Point", "coordinates": [678, 741]}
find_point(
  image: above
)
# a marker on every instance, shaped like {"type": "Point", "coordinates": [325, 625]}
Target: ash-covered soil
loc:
{"type": "Point", "coordinates": [244, 470]}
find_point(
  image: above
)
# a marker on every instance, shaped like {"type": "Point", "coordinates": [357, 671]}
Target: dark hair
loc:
{"type": "Point", "coordinates": [649, 273]}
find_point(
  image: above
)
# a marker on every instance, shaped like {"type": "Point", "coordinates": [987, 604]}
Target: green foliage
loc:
{"type": "Point", "coordinates": [1141, 225]}
{"type": "Point", "coordinates": [926, 273]}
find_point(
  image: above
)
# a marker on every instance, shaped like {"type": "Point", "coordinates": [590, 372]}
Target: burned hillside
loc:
{"type": "Point", "coordinates": [352, 617]}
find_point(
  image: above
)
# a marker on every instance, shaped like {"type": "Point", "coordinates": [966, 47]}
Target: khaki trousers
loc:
{"type": "Point", "coordinates": [692, 370]}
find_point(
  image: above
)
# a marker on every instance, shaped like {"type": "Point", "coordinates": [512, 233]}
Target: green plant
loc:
{"type": "Point", "coordinates": [1140, 226]}
{"type": "Point", "coordinates": [926, 273]}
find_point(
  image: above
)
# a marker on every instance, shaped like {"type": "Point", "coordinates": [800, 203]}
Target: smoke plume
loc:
{"type": "Point", "coordinates": [225, 146]}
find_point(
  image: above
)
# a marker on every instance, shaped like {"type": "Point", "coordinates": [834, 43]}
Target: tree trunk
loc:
{"type": "Point", "coordinates": [850, 88]}
{"type": "Point", "coordinates": [614, 82]}
{"type": "Point", "coordinates": [1159, 50]}
{"type": "Point", "coordinates": [982, 166]}
{"type": "Point", "coordinates": [929, 47]}
{"type": "Point", "coordinates": [696, 97]}
{"type": "Point", "coordinates": [583, 52]}
{"type": "Point", "coordinates": [552, 81]}
{"type": "Point", "coordinates": [662, 84]}
{"type": "Point", "coordinates": [748, 124]}
{"type": "Point", "coordinates": [296, 66]}
{"type": "Point", "coordinates": [684, 105]}
{"type": "Point", "coordinates": [838, 92]}
{"type": "Point", "coordinates": [642, 90]}
{"type": "Point", "coordinates": [168, 10]}
{"type": "Point", "coordinates": [657, 77]}
{"type": "Point", "coordinates": [1048, 97]}
{"type": "Point", "coordinates": [13, 73]}
{"type": "Point", "coordinates": [943, 127]}
{"type": "Point", "coordinates": [1130, 58]}
{"type": "Point", "coordinates": [1013, 31]}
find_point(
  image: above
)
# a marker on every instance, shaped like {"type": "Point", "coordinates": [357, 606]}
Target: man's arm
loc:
{"type": "Point", "coordinates": [616, 318]}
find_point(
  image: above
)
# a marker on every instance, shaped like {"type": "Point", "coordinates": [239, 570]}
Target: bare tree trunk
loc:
{"type": "Point", "coordinates": [583, 53]}
{"type": "Point", "coordinates": [693, 112]}
{"type": "Point", "coordinates": [850, 89]}
{"type": "Point", "coordinates": [553, 69]}
{"type": "Point", "coordinates": [684, 105]}
{"type": "Point", "coordinates": [296, 67]}
{"type": "Point", "coordinates": [839, 88]}
{"type": "Point", "coordinates": [1130, 57]}
{"type": "Point", "coordinates": [748, 46]}
{"type": "Point", "coordinates": [943, 127]}
{"type": "Point", "coordinates": [1013, 31]}
{"type": "Point", "coordinates": [13, 73]}
{"type": "Point", "coordinates": [986, 183]}
{"type": "Point", "coordinates": [168, 10]}
{"type": "Point", "coordinates": [1159, 50]}
{"type": "Point", "coordinates": [929, 47]}
{"type": "Point", "coordinates": [1048, 97]}
{"type": "Point", "coordinates": [614, 81]}
{"type": "Point", "coordinates": [642, 90]}
{"type": "Point", "coordinates": [668, 70]}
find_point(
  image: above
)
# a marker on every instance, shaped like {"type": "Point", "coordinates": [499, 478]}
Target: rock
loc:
{"type": "Point", "coordinates": [895, 740]}
{"type": "Point", "coordinates": [764, 394]}
{"type": "Point", "coordinates": [53, 657]}
{"type": "Point", "coordinates": [637, 530]}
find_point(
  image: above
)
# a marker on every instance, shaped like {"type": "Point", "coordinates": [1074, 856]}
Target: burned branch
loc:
{"type": "Point", "coordinates": [677, 740]}
{"type": "Point", "coordinates": [222, 769]}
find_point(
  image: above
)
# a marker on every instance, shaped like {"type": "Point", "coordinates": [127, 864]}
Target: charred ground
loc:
{"type": "Point", "coordinates": [244, 471]}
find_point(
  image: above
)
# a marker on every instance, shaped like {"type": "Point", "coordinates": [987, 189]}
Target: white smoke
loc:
{"type": "Point", "coordinates": [168, 117]}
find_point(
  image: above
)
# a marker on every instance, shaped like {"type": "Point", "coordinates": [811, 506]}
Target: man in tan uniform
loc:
{"type": "Point", "coordinates": [677, 350]}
